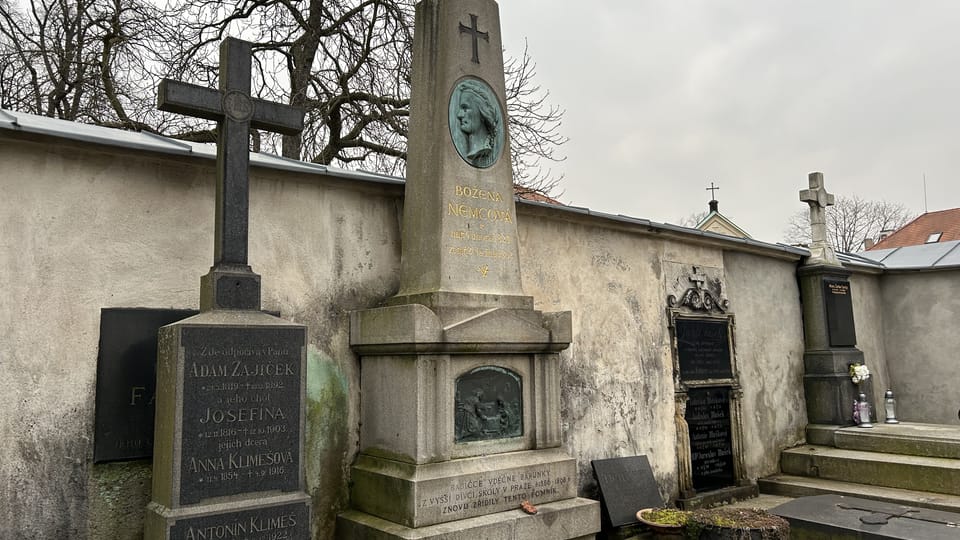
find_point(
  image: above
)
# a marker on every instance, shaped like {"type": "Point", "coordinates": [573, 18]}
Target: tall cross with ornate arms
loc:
{"type": "Point", "coordinates": [818, 199]}
{"type": "Point", "coordinates": [235, 112]}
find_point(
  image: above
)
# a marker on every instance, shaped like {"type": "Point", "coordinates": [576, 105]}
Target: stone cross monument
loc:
{"type": "Point", "coordinates": [818, 199]}
{"type": "Point", "coordinates": [829, 328]}
{"type": "Point", "coordinates": [460, 400]}
{"type": "Point", "coordinates": [228, 440]}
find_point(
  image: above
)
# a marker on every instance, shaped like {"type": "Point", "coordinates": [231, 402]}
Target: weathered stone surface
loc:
{"type": "Point", "coordinates": [421, 495]}
{"type": "Point", "coordinates": [626, 485]}
{"type": "Point", "coordinates": [835, 516]}
{"type": "Point", "coordinates": [460, 231]}
{"type": "Point", "coordinates": [280, 516]}
{"type": "Point", "coordinates": [919, 473]}
{"type": "Point", "coordinates": [570, 519]}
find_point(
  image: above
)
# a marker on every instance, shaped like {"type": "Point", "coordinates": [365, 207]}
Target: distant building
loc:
{"type": "Point", "coordinates": [718, 223]}
{"type": "Point", "coordinates": [929, 228]}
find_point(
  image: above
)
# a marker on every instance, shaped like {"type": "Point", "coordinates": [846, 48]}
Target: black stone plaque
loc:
{"type": "Point", "coordinates": [127, 381]}
{"type": "Point", "coordinates": [839, 308]}
{"type": "Point", "coordinates": [241, 410]}
{"type": "Point", "coordinates": [711, 448]}
{"type": "Point", "coordinates": [626, 485]}
{"type": "Point", "coordinates": [488, 404]}
{"type": "Point", "coordinates": [282, 522]}
{"type": "Point", "coordinates": [703, 349]}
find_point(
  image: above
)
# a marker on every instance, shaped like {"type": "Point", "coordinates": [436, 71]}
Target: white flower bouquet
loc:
{"type": "Point", "coordinates": [859, 373]}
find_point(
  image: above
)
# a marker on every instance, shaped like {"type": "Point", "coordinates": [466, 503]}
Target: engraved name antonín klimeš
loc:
{"type": "Point", "coordinates": [476, 123]}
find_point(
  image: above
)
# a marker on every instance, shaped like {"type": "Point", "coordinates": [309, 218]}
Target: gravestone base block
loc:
{"type": "Point", "coordinates": [428, 494]}
{"type": "Point", "coordinates": [569, 519]}
{"type": "Point", "coordinates": [706, 499]}
{"type": "Point", "coordinates": [279, 516]}
{"type": "Point", "coordinates": [230, 287]}
{"type": "Point", "coordinates": [460, 414]}
{"type": "Point", "coordinates": [228, 448]}
{"type": "Point", "coordinates": [829, 392]}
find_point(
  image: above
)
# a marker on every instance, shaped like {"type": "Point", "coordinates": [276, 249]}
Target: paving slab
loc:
{"type": "Point", "coordinates": [840, 517]}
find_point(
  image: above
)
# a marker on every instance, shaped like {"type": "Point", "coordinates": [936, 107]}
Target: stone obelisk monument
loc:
{"type": "Point", "coordinates": [460, 389]}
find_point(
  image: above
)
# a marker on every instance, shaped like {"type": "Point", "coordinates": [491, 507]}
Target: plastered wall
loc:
{"type": "Point", "coordinates": [87, 227]}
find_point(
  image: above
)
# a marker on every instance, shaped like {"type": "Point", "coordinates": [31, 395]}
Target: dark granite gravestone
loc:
{"type": "Point", "coordinates": [836, 516]}
{"type": "Point", "coordinates": [711, 448]}
{"type": "Point", "coordinates": [839, 307]}
{"type": "Point", "coordinates": [703, 349]}
{"type": "Point", "coordinates": [127, 381]}
{"type": "Point", "coordinates": [627, 486]}
{"type": "Point", "coordinates": [228, 458]}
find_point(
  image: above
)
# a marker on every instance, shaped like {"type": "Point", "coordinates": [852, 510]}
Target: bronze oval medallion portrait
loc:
{"type": "Point", "coordinates": [476, 123]}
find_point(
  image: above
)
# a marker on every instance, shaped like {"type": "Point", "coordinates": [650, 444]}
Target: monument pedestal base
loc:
{"type": "Point", "coordinates": [432, 493]}
{"type": "Point", "coordinates": [460, 411]}
{"type": "Point", "coordinates": [569, 519]}
{"type": "Point", "coordinates": [830, 394]}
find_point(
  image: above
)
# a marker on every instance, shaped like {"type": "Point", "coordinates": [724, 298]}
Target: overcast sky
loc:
{"type": "Point", "coordinates": [663, 97]}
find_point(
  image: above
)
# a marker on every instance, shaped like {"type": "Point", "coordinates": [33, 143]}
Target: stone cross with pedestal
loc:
{"type": "Point", "coordinates": [460, 381]}
{"type": "Point", "coordinates": [818, 199]}
{"type": "Point", "coordinates": [228, 440]}
{"type": "Point", "coordinates": [829, 331]}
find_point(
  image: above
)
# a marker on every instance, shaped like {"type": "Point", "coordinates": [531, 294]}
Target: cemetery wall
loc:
{"type": "Point", "coordinates": [920, 311]}
{"type": "Point", "coordinates": [89, 227]}
{"type": "Point", "coordinates": [769, 341]}
{"type": "Point", "coordinates": [869, 315]}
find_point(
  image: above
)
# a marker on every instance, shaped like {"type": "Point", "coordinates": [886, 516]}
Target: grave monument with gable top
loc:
{"type": "Point", "coordinates": [228, 442]}
{"type": "Point", "coordinates": [460, 389]}
{"type": "Point", "coordinates": [828, 324]}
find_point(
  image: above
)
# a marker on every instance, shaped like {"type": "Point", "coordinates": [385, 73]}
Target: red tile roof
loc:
{"type": "Point", "coordinates": [919, 230]}
{"type": "Point", "coordinates": [526, 194]}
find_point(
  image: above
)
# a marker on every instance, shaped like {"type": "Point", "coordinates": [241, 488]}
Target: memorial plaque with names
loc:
{"type": "Point", "coordinates": [839, 308]}
{"type": "Point", "coordinates": [264, 523]}
{"type": "Point", "coordinates": [626, 486]}
{"type": "Point", "coordinates": [703, 349]}
{"type": "Point", "coordinates": [711, 446]}
{"type": "Point", "coordinates": [127, 381]}
{"type": "Point", "coordinates": [241, 411]}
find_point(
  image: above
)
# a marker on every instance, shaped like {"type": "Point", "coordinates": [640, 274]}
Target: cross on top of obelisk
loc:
{"type": "Point", "coordinates": [232, 284]}
{"type": "Point", "coordinates": [475, 33]}
{"type": "Point", "coordinates": [818, 199]}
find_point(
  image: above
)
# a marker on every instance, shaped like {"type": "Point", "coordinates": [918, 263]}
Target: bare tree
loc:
{"type": "Point", "coordinates": [849, 222]}
{"type": "Point", "coordinates": [346, 62]}
{"type": "Point", "coordinates": [82, 60]}
{"type": "Point", "coordinates": [693, 219]}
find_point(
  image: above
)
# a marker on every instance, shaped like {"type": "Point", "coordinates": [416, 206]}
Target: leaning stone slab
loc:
{"type": "Point", "coordinates": [836, 516]}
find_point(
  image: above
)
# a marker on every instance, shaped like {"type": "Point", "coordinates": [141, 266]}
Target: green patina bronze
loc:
{"type": "Point", "coordinates": [476, 123]}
